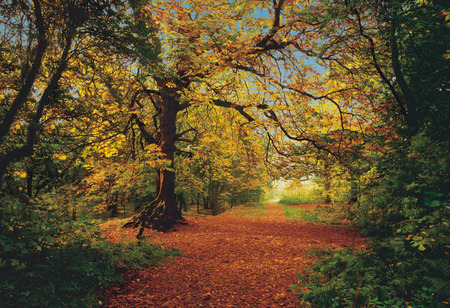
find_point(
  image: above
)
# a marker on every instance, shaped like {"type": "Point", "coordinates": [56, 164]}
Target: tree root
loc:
{"type": "Point", "coordinates": [153, 216]}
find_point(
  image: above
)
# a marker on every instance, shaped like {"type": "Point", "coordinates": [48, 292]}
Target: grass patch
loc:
{"type": "Point", "coordinates": [296, 199]}
{"type": "Point", "coordinates": [320, 214]}
{"type": "Point", "coordinates": [246, 210]}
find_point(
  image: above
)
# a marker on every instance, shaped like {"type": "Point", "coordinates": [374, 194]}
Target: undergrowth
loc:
{"type": "Point", "coordinates": [387, 275]}
{"type": "Point", "coordinates": [47, 260]}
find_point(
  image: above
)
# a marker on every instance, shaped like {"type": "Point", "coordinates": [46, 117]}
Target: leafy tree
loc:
{"type": "Point", "coordinates": [258, 71]}
{"type": "Point", "coordinates": [42, 46]}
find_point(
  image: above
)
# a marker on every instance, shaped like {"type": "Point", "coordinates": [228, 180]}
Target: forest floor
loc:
{"type": "Point", "coordinates": [245, 257]}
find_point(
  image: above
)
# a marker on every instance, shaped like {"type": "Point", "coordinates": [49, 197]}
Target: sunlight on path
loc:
{"type": "Point", "coordinates": [231, 261]}
{"type": "Point", "coordinates": [274, 211]}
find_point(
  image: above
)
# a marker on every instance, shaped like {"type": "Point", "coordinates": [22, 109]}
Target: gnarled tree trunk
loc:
{"type": "Point", "coordinates": [162, 213]}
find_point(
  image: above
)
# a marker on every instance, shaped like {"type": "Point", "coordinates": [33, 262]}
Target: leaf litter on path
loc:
{"type": "Point", "coordinates": [229, 261]}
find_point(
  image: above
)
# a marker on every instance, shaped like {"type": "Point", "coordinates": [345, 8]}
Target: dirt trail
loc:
{"type": "Point", "coordinates": [230, 261]}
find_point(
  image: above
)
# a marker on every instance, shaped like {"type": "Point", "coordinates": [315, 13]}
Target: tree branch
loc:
{"type": "Point", "coordinates": [263, 43]}
{"type": "Point", "coordinates": [178, 136]}
{"type": "Point", "coordinates": [27, 149]}
{"type": "Point", "coordinates": [150, 91]}
{"type": "Point", "coordinates": [184, 106]}
{"type": "Point", "coordinates": [377, 66]}
{"type": "Point", "coordinates": [406, 90]}
{"type": "Point", "coordinates": [240, 109]}
{"type": "Point", "coordinates": [144, 133]}
{"type": "Point", "coordinates": [25, 90]}
{"type": "Point", "coordinates": [272, 115]}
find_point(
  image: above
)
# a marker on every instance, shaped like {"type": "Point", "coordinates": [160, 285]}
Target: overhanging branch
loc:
{"type": "Point", "coordinates": [240, 109]}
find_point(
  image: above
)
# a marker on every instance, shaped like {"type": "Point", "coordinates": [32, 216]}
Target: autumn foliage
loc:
{"type": "Point", "coordinates": [148, 110]}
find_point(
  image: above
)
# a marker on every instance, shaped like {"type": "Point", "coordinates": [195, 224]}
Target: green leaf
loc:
{"type": "Point", "coordinates": [434, 203]}
{"type": "Point", "coordinates": [34, 216]}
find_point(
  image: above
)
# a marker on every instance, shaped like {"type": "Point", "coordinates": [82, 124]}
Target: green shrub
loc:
{"type": "Point", "coordinates": [46, 261]}
{"type": "Point", "coordinates": [388, 275]}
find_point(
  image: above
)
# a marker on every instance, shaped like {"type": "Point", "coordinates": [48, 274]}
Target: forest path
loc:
{"type": "Point", "coordinates": [237, 259]}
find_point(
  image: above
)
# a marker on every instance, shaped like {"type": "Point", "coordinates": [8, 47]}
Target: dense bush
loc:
{"type": "Point", "coordinates": [47, 260]}
{"type": "Point", "coordinates": [390, 274]}
{"type": "Point", "coordinates": [407, 218]}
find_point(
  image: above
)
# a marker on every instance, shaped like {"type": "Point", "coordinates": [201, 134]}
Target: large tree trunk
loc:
{"type": "Point", "coordinates": [162, 213]}
{"type": "Point", "coordinates": [168, 129]}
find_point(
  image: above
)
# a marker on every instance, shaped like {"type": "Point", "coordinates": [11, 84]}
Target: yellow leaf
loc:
{"type": "Point", "coordinates": [21, 174]}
